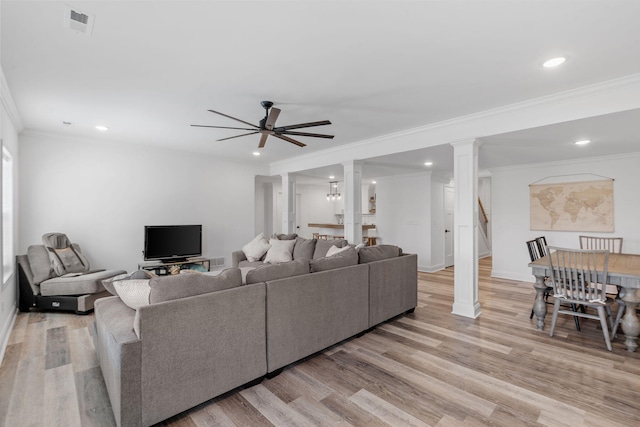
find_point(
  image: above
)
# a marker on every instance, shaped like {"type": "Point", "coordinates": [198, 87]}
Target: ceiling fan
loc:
{"type": "Point", "coordinates": [267, 127]}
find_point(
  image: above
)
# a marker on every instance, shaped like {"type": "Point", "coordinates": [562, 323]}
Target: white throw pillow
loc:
{"type": "Point", "coordinates": [134, 293]}
{"type": "Point", "coordinates": [280, 251]}
{"type": "Point", "coordinates": [255, 249]}
{"type": "Point", "coordinates": [336, 250]}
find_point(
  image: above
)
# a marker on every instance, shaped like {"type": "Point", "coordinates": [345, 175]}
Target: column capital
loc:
{"type": "Point", "coordinates": [474, 142]}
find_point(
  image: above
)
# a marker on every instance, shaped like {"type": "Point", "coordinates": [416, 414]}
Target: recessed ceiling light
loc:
{"type": "Point", "coordinates": [256, 153]}
{"type": "Point", "coordinates": [331, 176]}
{"type": "Point", "coordinates": [428, 163]}
{"type": "Point", "coordinates": [102, 128]}
{"type": "Point", "coordinates": [554, 62]}
{"type": "Point", "coordinates": [582, 142]}
{"type": "Point", "coordinates": [373, 182]}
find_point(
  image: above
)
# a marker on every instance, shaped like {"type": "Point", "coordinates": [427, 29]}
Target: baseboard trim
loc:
{"type": "Point", "coordinates": [513, 276]}
{"type": "Point", "coordinates": [6, 333]}
{"type": "Point", "coordinates": [430, 268]}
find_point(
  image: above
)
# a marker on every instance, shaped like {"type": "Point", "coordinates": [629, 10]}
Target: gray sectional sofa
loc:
{"type": "Point", "coordinates": [203, 335]}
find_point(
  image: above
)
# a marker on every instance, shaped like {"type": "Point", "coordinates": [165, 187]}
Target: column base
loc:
{"type": "Point", "coordinates": [467, 310]}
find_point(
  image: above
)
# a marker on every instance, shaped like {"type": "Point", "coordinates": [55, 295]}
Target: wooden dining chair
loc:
{"type": "Point", "coordinates": [575, 274]}
{"type": "Point", "coordinates": [614, 246]}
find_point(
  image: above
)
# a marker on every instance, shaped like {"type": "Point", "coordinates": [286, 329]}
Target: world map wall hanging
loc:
{"type": "Point", "coordinates": [572, 206]}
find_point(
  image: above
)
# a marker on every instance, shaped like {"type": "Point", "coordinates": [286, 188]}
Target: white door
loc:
{"type": "Point", "coordinates": [449, 206]}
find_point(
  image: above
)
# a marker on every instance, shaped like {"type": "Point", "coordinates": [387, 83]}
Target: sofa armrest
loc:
{"type": "Point", "coordinates": [119, 353]}
{"type": "Point", "coordinates": [236, 257]}
{"type": "Point", "coordinates": [393, 287]}
{"type": "Point", "coordinates": [196, 348]}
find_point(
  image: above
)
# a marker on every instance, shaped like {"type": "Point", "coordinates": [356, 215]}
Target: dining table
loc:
{"type": "Point", "coordinates": [623, 271]}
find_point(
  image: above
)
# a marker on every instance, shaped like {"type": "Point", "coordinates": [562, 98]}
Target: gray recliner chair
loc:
{"type": "Point", "coordinates": [56, 276]}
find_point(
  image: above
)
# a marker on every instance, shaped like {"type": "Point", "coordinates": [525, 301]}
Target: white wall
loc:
{"type": "Point", "coordinates": [510, 209]}
{"type": "Point", "coordinates": [8, 294]}
{"type": "Point", "coordinates": [403, 214]}
{"type": "Point", "coordinates": [102, 194]}
{"type": "Point", "coordinates": [314, 207]}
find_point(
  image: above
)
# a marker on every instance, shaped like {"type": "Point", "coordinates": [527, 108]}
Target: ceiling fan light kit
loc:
{"type": "Point", "coordinates": [267, 127]}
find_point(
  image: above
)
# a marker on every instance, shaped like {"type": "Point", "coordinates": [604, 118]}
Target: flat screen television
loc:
{"type": "Point", "coordinates": [172, 242]}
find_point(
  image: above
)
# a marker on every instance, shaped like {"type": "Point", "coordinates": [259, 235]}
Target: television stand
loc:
{"type": "Point", "coordinates": [162, 267]}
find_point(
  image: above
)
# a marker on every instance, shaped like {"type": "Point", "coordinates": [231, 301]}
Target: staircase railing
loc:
{"type": "Point", "coordinates": [483, 219]}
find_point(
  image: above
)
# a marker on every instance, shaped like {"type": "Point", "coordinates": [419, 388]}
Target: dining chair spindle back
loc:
{"type": "Point", "coordinates": [575, 275]}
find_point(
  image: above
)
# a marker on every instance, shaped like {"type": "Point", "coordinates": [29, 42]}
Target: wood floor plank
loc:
{"type": "Point", "coordinates": [211, 416]}
{"type": "Point", "coordinates": [381, 409]}
{"type": "Point", "coordinates": [82, 351]}
{"type": "Point", "coordinates": [27, 398]}
{"type": "Point", "coordinates": [274, 409]}
{"type": "Point", "coordinates": [60, 398]}
{"type": "Point", "coordinates": [8, 373]}
{"type": "Point", "coordinates": [317, 413]}
{"type": "Point", "coordinates": [93, 400]}
{"type": "Point", "coordinates": [57, 348]}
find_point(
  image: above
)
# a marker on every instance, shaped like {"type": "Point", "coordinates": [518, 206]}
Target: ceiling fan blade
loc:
{"type": "Point", "coordinates": [291, 140]}
{"type": "Point", "coordinates": [219, 127]}
{"type": "Point", "coordinates": [273, 116]}
{"type": "Point", "coordinates": [263, 140]}
{"type": "Point", "coordinates": [303, 125]}
{"type": "Point", "coordinates": [315, 135]}
{"type": "Point", "coordinates": [232, 118]}
{"type": "Point", "coordinates": [238, 136]}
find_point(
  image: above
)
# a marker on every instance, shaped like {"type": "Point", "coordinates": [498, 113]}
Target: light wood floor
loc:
{"type": "Point", "coordinates": [428, 368]}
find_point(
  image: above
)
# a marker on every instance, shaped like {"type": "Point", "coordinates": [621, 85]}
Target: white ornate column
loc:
{"type": "Point", "coordinates": [288, 203]}
{"type": "Point", "coordinates": [353, 201]}
{"type": "Point", "coordinates": [465, 224]}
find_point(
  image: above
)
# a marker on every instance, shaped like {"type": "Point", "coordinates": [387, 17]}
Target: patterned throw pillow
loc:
{"type": "Point", "coordinates": [133, 292]}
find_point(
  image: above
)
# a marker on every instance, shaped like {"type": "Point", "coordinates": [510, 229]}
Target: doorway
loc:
{"type": "Point", "coordinates": [449, 206]}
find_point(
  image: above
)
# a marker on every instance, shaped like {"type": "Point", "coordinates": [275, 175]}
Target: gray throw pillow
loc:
{"type": "Point", "coordinates": [322, 246]}
{"type": "Point", "coordinates": [278, 271]}
{"type": "Point", "coordinates": [339, 260]}
{"type": "Point", "coordinates": [304, 248]}
{"type": "Point", "coordinates": [167, 288]}
{"type": "Point", "coordinates": [40, 263]}
{"type": "Point", "coordinates": [291, 236]}
{"type": "Point", "coordinates": [378, 253]}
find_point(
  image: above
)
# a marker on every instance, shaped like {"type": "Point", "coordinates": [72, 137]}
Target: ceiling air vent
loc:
{"type": "Point", "coordinates": [78, 21]}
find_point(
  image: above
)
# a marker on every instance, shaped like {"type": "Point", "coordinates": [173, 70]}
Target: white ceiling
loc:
{"type": "Point", "coordinates": [151, 68]}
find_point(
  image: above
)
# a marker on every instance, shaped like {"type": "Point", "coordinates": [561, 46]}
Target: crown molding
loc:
{"type": "Point", "coordinates": [565, 162]}
{"type": "Point", "coordinates": [554, 101]}
{"type": "Point", "coordinates": [9, 105]}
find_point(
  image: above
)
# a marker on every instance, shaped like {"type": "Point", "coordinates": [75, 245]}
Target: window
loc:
{"type": "Point", "coordinates": [7, 216]}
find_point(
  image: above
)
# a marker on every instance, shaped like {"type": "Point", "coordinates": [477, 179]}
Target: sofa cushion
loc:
{"type": "Point", "coordinates": [322, 246]}
{"type": "Point", "coordinates": [342, 259]}
{"type": "Point", "coordinates": [255, 249]}
{"type": "Point", "coordinates": [279, 271]}
{"type": "Point", "coordinates": [304, 248]}
{"type": "Point", "coordinates": [167, 288]}
{"type": "Point", "coordinates": [377, 253]}
{"type": "Point", "coordinates": [77, 284]}
{"type": "Point", "coordinates": [40, 263]}
{"type": "Point", "coordinates": [280, 251]}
